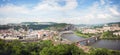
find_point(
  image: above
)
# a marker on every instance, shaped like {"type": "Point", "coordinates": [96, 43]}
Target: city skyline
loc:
{"type": "Point", "coordinates": [66, 11]}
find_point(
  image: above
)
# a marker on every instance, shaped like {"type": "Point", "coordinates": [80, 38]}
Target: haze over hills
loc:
{"type": "Point", "coordinates": [33, 25]}
{"type": "Point", "coordinates": [50, 23]}
{"type": "Point", "coordinates": [44, 25]}
{"type": "Point", "coordinates": [38, 23]}
{"type": "Point", "coordinates": [100, 23]}
{"type": "Point", "coordinates": [96, 25]}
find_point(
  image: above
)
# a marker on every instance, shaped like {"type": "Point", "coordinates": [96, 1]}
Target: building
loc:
{"type": "Point", "coordinates": [90, 31]}
{"type": "Point", "coordinates": [116, 33]}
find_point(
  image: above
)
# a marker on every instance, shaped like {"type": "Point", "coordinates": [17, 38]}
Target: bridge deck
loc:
{"type": "Point", "coordinates": [87, 39]}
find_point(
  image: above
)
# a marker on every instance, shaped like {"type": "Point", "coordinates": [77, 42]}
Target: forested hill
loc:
{"type": "Point", "coordinates": [38, 23]}
{"type": "Point", "coordinates": [35, 25]}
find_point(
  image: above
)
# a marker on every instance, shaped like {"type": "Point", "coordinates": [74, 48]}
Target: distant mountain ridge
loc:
{"type": "Point", "coordinates": [97, 25]}
{"type": "Point", "coordinates": [38, 23]}
{"type": "Point", "coordinates": [114, 23]}
{"type": "Point", "coordinates": [35, 25]}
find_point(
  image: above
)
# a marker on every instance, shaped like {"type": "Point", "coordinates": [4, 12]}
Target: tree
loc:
{"type": "Point", "coordinates": [100, 52]}
{"type": "Point", "coordinates": [62, 50]}
{"type": "Point", "coordinates": [2, 45]}
{"type": "Point", "coordinates": [115, 52]}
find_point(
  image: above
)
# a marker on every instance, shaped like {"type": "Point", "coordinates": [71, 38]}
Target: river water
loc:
{"type": "Point", "coordinates": [109, 44]}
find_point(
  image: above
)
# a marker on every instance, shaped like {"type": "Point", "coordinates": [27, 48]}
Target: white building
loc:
{"type": "Point", "coordinates": [116, 33]}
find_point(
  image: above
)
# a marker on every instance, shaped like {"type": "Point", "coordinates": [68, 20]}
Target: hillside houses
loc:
{"type": "Point", "coordinates": [113, 27]}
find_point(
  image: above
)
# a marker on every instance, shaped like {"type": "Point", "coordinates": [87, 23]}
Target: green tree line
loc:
{"type": "Point", "coordinates": [47, 48]}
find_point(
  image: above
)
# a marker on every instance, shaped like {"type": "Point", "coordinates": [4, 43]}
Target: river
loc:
{"type": "Point", "coordinates": [109, 44]}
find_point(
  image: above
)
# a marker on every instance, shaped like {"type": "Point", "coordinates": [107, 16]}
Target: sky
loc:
{"type": "Point", "coordinates": [60, 11]}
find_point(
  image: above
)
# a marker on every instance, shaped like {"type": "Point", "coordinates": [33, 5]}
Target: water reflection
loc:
{"type": "Point", "coordinates": [72, 37]}
{"type": "Point", "coordinates": [109, 44]}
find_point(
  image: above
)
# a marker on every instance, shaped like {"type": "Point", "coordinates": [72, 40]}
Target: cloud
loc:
{"type": "Point", "coordinates": [114, 11]}
{"type": "Point", "coordinates": [52, 11]}
{"type": "Point", "coordinates": [13, 9]}
{"type": "Point", "coordinates": [54, 5]}
{"type": "Point", "coordinates": [97, 14]}
{"type": "Point", "coordinates": [102, 2]}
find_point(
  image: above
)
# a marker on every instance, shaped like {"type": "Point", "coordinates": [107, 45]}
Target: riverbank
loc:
{"type": "Point", "coordinates": [110, 38]}
{"type": "Point", "coordinates": [102, 36]}
{"type": "Point", "coordinates": [108, 35]}
{"type": "Point", "coordinates": [83, 35]}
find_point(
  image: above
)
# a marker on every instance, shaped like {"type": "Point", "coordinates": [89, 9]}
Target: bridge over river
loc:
{"type": "Point", "coordinates": [80, 40]}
